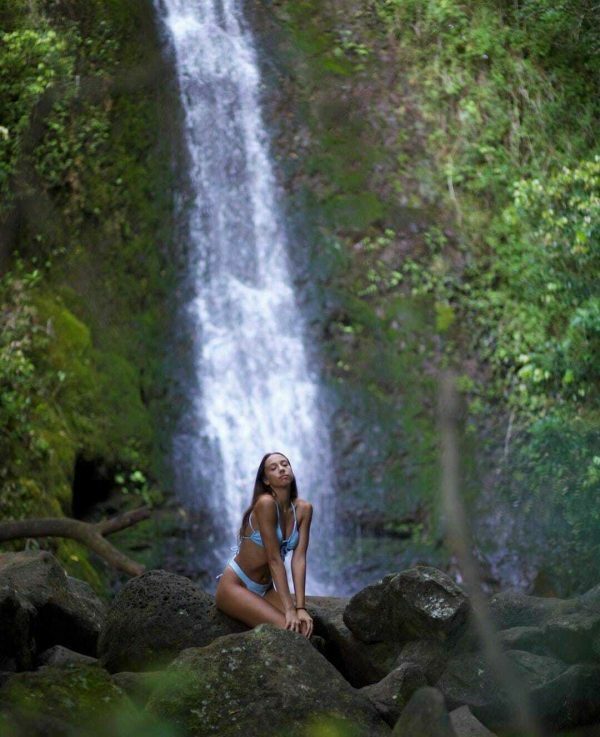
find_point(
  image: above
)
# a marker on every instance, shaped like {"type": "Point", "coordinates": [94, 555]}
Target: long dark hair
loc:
{"type": "Point", "coordinates": [260, 488]}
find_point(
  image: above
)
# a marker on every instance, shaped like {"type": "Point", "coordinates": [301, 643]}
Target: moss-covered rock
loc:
{"type": "Point", "coordinates": [154, 617]}
{"type": "Point", "coordinates": [69, 699]}
{"type": "Point", "coordinates": [265, 682]}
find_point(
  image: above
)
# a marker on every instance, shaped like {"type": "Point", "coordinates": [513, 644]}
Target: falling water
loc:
{"type": "Point", "coordinates": [252, 390]}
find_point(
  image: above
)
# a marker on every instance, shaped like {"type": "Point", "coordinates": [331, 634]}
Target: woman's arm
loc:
{"type": "Point", "coordinates": [299, 556]}
{"type": "Point", "coordinates": [266, 516]}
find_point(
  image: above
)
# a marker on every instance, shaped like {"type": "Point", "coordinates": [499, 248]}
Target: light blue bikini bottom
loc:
{"type": "Point", "coordinates": [257, 588]}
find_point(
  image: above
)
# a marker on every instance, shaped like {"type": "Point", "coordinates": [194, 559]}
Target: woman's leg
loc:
{"type": "Point", "coordinates": [273, 598]}
{"type": "Point", "coordinates": [234, 599]}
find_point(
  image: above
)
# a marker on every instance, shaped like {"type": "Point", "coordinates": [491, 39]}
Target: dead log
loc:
{"type": "Point", "coordinates": [87, 533]}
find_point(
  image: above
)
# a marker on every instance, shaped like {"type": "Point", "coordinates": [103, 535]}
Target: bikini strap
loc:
{"type": "Point", "coordinates": [250, 517]}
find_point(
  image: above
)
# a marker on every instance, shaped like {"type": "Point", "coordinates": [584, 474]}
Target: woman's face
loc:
{"type": "Point", "coordinates": [278, 472]}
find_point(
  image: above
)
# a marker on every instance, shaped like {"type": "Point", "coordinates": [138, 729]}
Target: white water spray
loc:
{"type": "Point", "coordinates": [254, 391]}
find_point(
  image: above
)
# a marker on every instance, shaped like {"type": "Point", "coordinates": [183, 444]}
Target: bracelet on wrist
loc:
{"type": "Point", "coordinates": [302, 607]}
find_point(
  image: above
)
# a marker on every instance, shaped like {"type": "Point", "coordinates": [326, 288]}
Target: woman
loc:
{"type": "Point", "coordinates": [275, 523]}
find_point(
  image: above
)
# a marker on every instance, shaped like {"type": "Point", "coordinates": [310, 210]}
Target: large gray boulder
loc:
{"type": "Point", "coordinates": [419, 603]}
{"type": "Point", "coordinates": [572, 699]}
{"type": "Point", "coordinates": [154, 617]}
{"type": "Point", "coordinates": [359, 662]}
{"type": "Point", "coordinates": [568, 629]}
{"type": "Point", "coordinates": [260, 683]}
{"type": "Point", "coordinates": [469, 680]}
{"type": "Point", "coordinates": [574, 636]}
{"type": "Point", "coordinates": [425, 715]}
{"type": "Point", "coordinates": [561, 696]}
{"type": "Point", "coordinates": [392, 693]}
{"type": "Point", "coordinates": [39, 601]}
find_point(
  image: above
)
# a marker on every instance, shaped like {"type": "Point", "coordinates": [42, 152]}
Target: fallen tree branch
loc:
{"type": "Point", "coordinates": [87, 533]}
{"type": "Point", "coordinates": [380, 524]}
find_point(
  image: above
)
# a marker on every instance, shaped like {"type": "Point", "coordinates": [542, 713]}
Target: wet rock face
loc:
{"type": "Point", "coordinates": [154, 617]}
{"type": "Point", "coordinates": [260, 683]}
{"type": "Point", "coordinates": [42, 607]}
{"type": "Point", "coordinates": [420, 603]}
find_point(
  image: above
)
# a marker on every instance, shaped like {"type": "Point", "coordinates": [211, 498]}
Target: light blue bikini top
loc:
{"type": "Point", "coordinates": [284, 545]}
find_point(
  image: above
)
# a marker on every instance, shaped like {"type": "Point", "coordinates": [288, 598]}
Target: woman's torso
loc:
{"type": "Point", "coordinates": [252, 556]}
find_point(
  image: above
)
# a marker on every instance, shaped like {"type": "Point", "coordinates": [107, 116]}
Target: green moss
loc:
{"type": "Point", "coordinates": [75, 559]}
{"type": "Point", "coordinates": [75, 695]}
{"type": "Point", "coordinates": [355, 211]}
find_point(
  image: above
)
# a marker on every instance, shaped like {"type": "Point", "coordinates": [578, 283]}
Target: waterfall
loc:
{"type": "Point", "coordinates": [252, 390]}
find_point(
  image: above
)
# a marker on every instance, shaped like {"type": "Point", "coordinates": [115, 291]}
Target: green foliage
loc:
{"type": "Point", "coordinates": [32, 60]}
{"type": "Point", "coordinates": [87, 166]}
{"type": "Point", "coordinates": [509, 119]}
{"type": "Point", "coordinates": [54, 401]}
{"type": "Point", "coordinates": [558, 460]}
{"type": "Point", "coordinates": [549, 260]}
{"type": "Point", "coordinates": [493, 91]}
{"type": "Point", "coordinates": [20, 391]}
{"type": "Point", "coordinates": [494, 131]}
{"type": "Point", "coordinates": [135, 483]}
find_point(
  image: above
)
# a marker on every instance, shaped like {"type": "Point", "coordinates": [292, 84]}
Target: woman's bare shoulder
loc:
{"type": "Point", "coordinates": [265, 501]}
{"type": "Point", "coordinates": [303, 506]}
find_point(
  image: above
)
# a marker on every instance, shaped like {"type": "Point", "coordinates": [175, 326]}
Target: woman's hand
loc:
{"type": "Point", "coordinates": [306, 623]}
{"type": "Point", "coordinates": [292, 620]}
